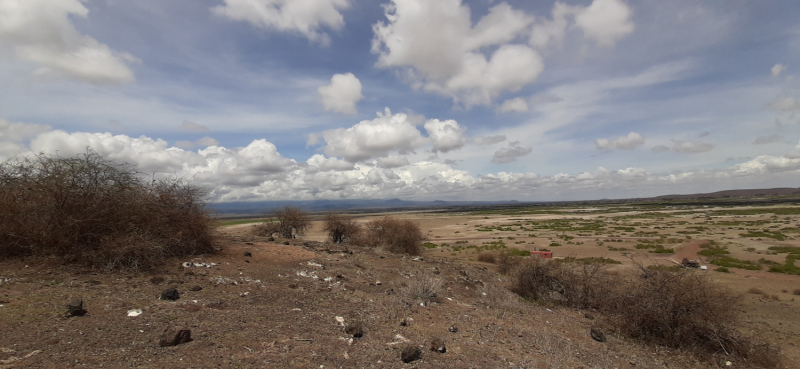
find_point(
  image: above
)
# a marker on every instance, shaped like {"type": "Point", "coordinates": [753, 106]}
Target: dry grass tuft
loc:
{"type": "Point", "coordinates": [425, 288]}
{"type": "Point", "coordinates": [95, 212]}
{"type": "Point", "coordinates": [487, 257]}
{"type": "Point", "coordinates": [755, 291]}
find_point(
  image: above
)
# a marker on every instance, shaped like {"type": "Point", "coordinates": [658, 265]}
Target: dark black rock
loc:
{"type": "Point", "coordinates": [248, 254]}
{"type": "Point", "coordinates": [410, 353]}
{"type": "Point", "coordinates": [170, 294]}
{"type": "Point", "coordinates": [174, 337]}
{"type": "Point", "coordinates": [75, 308]}
{"type": "Point", "coordinates": [598, 335]}
{"type": "Point", "coordinates": [356, 330]}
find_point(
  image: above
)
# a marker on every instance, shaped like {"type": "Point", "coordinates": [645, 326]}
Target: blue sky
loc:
{"type": "Point", "coordinates": [486, 100]}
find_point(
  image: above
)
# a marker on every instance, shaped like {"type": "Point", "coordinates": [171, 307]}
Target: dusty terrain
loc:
{"type": "Point", "coordinates": [279, 307]}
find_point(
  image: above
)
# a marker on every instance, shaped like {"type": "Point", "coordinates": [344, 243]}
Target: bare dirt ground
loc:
{"type": "Point", "coordinates": [278, 308]}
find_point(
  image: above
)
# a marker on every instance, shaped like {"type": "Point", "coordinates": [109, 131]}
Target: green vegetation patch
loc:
{"type": "Point", "coordinates": [712, 248]}
{"type": "Point", "coordinates": [589, 260]}
{"type": "Point", "coordinates": [786, 249]}
{"type": "Point", "coordinates": [729, 262]}
{"type": "Point", "coordinates": [239, 221]}
{"type": "Point", "coordinates": [774, 235]}
{"type": "Point", "coordinates": [662, 250]}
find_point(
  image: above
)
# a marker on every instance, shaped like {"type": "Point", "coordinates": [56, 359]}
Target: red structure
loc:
{"type": "Point", "coordinates": [542, 254]}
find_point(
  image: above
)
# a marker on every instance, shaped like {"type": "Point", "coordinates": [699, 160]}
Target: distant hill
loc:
{"type": "Point", "coordinates": [362, 205]}
{"type": "Point", "coordinates": [734, 193]}
{"type": "Point", "coordinates": [380, 205]}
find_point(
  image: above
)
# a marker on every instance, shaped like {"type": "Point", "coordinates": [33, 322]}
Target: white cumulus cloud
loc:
{"type": "Point", "coordinates": [440, 50]}
{"type": "Point", "coordinates": [371, 138]}
{"type": "Point", "coordinates": [445, 135]}
{"type": "Point", "coordinates": [629, 142]}
{"type": "Point", "coordinates": [342, 94]}
{"type": "Point", "coordinates": [41, 31]}
{"type": "Point", "coordinates": [605, 21]}
{"type": "Point", "coordinates": [390, 133]}
{"type": "Point", "coordinates": [306, 17]}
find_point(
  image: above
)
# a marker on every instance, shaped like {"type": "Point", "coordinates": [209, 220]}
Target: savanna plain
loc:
{"type": "Point", "coordinates": [621, 287]}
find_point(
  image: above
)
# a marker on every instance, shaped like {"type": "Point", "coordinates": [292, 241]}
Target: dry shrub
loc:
{"type": "Point", "coordinates": [507, 262]}
{"type": "Point", "coordinates": [675, 309]}
{"type": "Point", "coordinates": [424, 287]}
{"type": "Point", "coordinates": [796, 291]}
{"type": "Point", "coordinates": [341, 228]}
{"type": "Point", "coordinates": [755, 291]}
{"type": "Point", "coordinates": [291, 221]}
{"type": "Point", "coordinates": [487, 257]}
{"type": "Point", "coordinates": [679, 309]}
{"type": "Point", "coordinates": [92, 211]}
{"type": "Point", "coordinates": [266, 228]}
{"type": "Point", "coordinates": [399, 236]}
{"type": "Point", "coordinates": [574, 285]}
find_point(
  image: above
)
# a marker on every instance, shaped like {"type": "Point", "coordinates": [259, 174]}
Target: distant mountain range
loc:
{"type": "Point", "coordinates": [362, 205]}
{"type": "Point", "coordinates": [734, 193]}
{"type": "Point", "coordinates": [381, 205]}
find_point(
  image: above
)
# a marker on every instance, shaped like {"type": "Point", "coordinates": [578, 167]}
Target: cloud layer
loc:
{"type": "Point", "coordinates": [259, 172]}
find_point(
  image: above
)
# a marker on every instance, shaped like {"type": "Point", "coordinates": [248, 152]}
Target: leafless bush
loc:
{"type": "Point", "coordinates": [341, 228]}
{"type": "Point", "coordinates": [680, 309]}
{"type": "Point", "coordinates": [424, 287]}
{"type": "Point", "coordinates": [93, 211]}
{"type": "Point", "coordinates": [487, 257]}
{"type": "Point", "coordinates": [292, 221]}
{"type": "Point", "coordinates": [507, 262]}
{"type": "Point", "coordinates": [574, 285]}
{"type": "Point", "coordinates": [400, 236]}
{"type": "Point", "coordinates": [266, 228]}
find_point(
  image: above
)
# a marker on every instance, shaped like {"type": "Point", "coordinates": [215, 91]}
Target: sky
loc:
{"type": "Point", "coordinates": [414, 99]}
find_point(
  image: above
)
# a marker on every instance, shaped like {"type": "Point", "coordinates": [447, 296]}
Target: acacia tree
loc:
{"type": "Point", "coordinates": [341, 228]}
{"type": "Point", "coordinates": [292, 221]}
